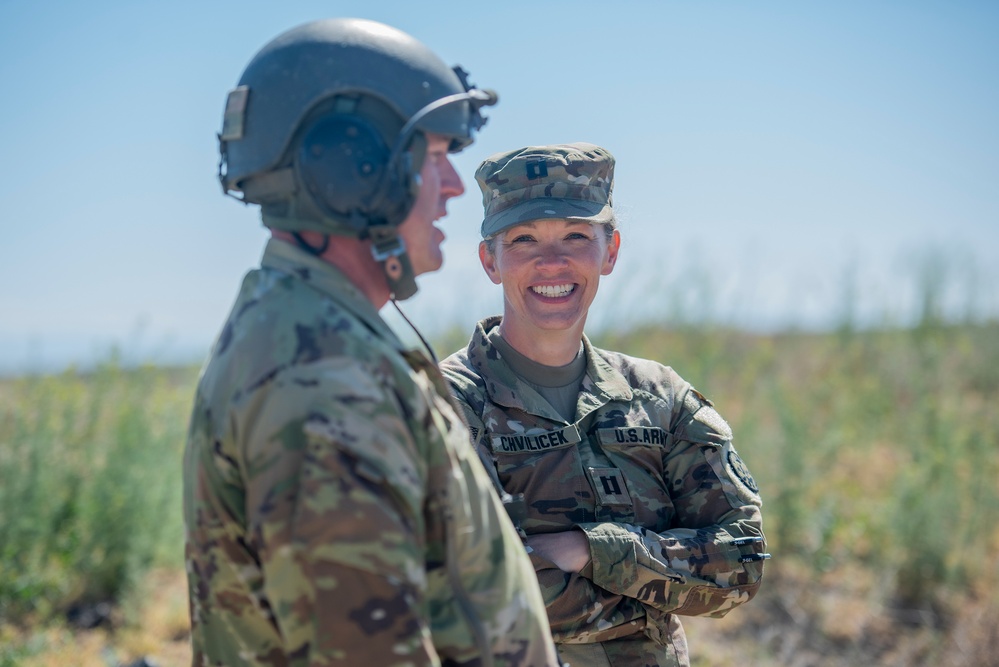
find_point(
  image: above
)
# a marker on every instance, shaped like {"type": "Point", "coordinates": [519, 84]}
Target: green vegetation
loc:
{"type": "Point", "coordinates": [876, 453]}
{"type": "Point", "coordinates": [89, 488]}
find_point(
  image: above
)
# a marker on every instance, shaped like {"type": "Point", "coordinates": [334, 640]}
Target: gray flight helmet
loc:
{"type": "Point", "coordinates": [323, 59]}
{"type": "Point", "coordinates": [327, 132]}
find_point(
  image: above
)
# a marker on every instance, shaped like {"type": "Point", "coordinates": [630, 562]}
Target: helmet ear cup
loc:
{"type": "Point", "coordinates": [342, 163]}
{"type": "Point", "coordinates": [399, 192]}
{"type": "Point", "coordinates": [408, 168]}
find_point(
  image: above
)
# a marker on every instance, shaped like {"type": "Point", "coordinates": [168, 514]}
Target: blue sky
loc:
{"type": "Point", "coordinates": [779, 163]}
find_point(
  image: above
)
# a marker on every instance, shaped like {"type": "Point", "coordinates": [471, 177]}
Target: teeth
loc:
{"type": "Point", "coordinates": [553, 290]}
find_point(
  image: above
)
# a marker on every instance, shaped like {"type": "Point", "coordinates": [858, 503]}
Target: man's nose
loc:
{"type": "Point", "coordinates": [451, 184]}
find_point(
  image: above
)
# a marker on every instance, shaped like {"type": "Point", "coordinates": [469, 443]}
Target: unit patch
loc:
{"type": "Point", "coordinates": [739, 470]}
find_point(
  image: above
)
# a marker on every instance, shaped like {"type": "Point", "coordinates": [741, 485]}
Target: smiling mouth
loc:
{"type": "Point", "coordinates": [553, 291]}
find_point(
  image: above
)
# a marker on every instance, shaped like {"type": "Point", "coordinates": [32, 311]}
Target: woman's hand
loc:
{"type": "Point", "coordinates": [569, 550]}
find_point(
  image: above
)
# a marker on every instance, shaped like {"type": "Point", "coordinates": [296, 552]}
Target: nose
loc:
{"type": "Point", "coordinates": [451, 185]}
{"type": "Point", "coordinates": [551, 256]}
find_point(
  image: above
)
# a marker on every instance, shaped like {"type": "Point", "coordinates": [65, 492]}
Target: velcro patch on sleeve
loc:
{"type": "Point", "coordinates": [705, 425]}
{"type": "Point", "coordinates": [716, 425]}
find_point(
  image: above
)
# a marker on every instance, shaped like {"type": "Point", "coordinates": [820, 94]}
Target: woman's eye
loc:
{"type": "Point", "coordinates": [576, 236]}
{"type": "Point", "coordinates": [523, 238]}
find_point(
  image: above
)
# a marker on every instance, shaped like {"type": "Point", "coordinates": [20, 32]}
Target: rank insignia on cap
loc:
{"type": "Point", "coordinates": [537, 169]}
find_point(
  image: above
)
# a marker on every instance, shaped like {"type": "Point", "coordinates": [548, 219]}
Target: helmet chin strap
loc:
{"type": "Point", "coordinates": [390, 253]}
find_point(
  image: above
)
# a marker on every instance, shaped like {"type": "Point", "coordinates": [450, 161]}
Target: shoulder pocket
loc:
{"type": "Point", "coordinates": [700, 422]}
{"type": "Point", "coordinates": [704, 426]}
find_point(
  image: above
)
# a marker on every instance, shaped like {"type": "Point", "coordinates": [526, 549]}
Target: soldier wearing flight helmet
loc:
{"type": "Point", "coordinates": [334, 511]}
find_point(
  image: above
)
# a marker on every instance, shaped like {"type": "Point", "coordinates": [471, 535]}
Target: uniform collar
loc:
{"type": "Point", "coordinates": [601, 384]}
{"type": "Point", "coordinates": [602, 381]}
{"type": "Point", "coordinates": [331, 281]}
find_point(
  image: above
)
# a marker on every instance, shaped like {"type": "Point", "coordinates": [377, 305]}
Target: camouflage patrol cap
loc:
{"type": "Point", "coordinates": [565, 181]}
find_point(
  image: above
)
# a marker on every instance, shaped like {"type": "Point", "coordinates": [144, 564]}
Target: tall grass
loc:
{"type": "Point", "coordinates": [877, 453]}
{"type": "Point", "coordinates": [878, 446]}
{"type": "Point", "coordinates": [89, 485]}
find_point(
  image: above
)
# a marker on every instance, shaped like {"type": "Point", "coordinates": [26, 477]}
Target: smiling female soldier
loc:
{"type": "Point", "coordinates": [637, 508]}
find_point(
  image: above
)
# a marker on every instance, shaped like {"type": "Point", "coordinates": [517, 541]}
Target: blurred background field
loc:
{"type": "Point", "coordinates": [876, 452]}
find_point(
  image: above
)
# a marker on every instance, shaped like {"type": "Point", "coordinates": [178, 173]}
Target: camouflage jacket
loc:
{"type": "Point", "coordinates": [334, 511]}
{"type": "Point", "coordinates": [647, 471]}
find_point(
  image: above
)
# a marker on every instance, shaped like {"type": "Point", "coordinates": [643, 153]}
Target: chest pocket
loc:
{"type": "Point", "coordinates": [545, 467]}
{"type": "Point", "coordinates": [637, 452]}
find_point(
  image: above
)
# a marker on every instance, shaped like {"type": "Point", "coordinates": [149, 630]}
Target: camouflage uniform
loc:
{"type": "Point", "coordinates": [648, 472]}
{"type": "Point", "coordinates": [335, 513]}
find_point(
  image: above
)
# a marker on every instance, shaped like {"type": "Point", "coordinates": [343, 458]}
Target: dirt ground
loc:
{"type": "Point", "coordinates": [793, 622]}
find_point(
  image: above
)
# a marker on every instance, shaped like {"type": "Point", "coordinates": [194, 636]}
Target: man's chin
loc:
{"type": "Point", "coordinates": [429, 266]}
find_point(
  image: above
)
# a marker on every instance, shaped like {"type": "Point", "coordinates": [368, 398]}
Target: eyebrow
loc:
{"type": "Point", "coordinates": [533, 224]}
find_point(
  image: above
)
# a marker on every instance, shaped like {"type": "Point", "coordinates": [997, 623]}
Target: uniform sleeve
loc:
{"type": "Point", "coordinates": [334, 498]}
{"type": "Point", "coordinates": [579, 609]}
{"type": "Point", "coordinates": [712, 561]}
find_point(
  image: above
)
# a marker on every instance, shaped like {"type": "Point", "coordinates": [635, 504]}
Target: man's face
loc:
{"type": "Point", "coordinates": [439, 183]}
{"type": "Point", "coordinates": [550, 271]}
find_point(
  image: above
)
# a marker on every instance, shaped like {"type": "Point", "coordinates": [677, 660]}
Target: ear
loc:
{"type": "Point", "coordinates": [488, 260]}
{"type": "Point", "coordinates": [613, 246]}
